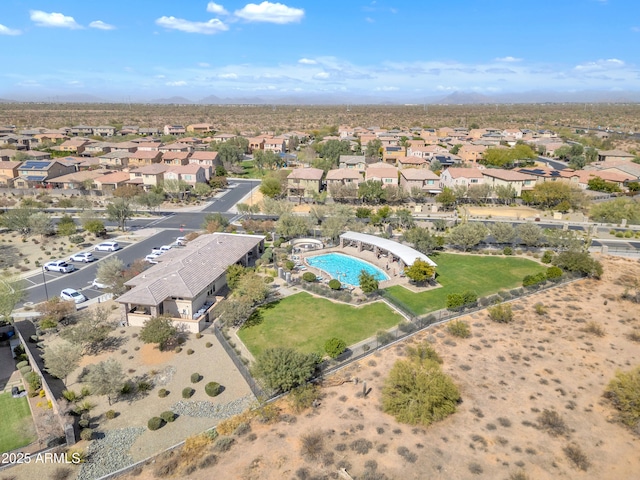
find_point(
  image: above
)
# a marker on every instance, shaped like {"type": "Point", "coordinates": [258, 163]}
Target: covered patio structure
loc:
{"type": "Point", "coordinates": [404, 255]}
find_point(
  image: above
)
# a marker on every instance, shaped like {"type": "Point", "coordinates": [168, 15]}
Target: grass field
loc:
{"type": "Point", "coordinates": [16, 425]}
{"type": "Point", "coordinates": [306, 323]}
{"type": "Point", "coordinates": [482, 274]}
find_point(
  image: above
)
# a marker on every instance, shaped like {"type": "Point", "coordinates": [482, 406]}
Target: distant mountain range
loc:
{"type": "Point", "coordinates": [455, 98]}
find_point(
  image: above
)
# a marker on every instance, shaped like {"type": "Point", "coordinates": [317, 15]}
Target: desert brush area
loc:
{"type": "Point", "coordinates": [532, 403]}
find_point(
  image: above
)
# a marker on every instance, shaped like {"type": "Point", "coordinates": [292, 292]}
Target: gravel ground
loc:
{"type": "Point", "coordinates": [211, 410]}
{"type": "Point", "coordinates": [111, 453]}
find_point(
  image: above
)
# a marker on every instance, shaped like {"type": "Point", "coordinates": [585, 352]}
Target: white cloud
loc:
{"type": "Point", "coordinates": [204, 64]}
{"type": "Point", "coordinates": [217, 9]}
{"type": "Point", "coordinates": [270, 12]}
{"type": "Point", "coordinates": [228, 76]}
{"type": "Point", "coordinates": [100, 25]}
{"type": "Point", "coordinates": [387, 89]}
{"type": "Point", "coordinates": [307, 61]}
{"type": "Point", "coordinates": [508, 59]}
{"type": "Point", "coordinates": [369, 20]}
{"type": "Point", "coordinates": [179, 83]}
{"type": "Point", "coordinates": [322, 76]}
{"type": "Point", "coordinates": [601, 64]}
{"type": "Point", "coordinates": [8, 31]}
{"type": "Point", "coordinates": [211, 27]}
{"type": "Point", "coordinates": [53, 19]}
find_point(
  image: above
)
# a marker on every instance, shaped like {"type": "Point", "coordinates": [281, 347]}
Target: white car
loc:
{"type": "Point", "coordinates": [180, 241]}
{"type": "Point", "coordinates": [152, 258]}
{"type": "Point", "coordinates": [71, 294]}
{"type": "Point", "coordinates": [59, 266]}
{"type": "Point", "coordinates": [85, 257]}
{"type": "Point", "coordinates": [160, 250]}
{"type": "Point", "coordinates": [107, 247]}
{"type": "Point", "coordinates": [97, 284]}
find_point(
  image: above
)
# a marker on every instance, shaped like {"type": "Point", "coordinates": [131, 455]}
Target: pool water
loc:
{"type": "Point", "coordinates": [345, 268]}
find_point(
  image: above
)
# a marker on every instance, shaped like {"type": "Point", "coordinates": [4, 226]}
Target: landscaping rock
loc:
{"type": "Point", "coordinates": [110, 453]}
{"type": "Point", "coordinates": [212, 410]}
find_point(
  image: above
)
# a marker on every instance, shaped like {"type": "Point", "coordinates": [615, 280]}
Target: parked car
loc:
{"type": "Point", "coordinates": [85, 257]}
{"type": "Point", "coordinates": [71, 294]}
{"type": "Point", "coordinates": [160, 250]}
{"type": "Point", "coordinates": [180, 241]}
{"type": "Point", "coordinates": [152, 258]}
{"type": "Point", "coordinates": [97, 284]}
{"type": "Point", "coordinates": [107, 247]}
{"type": "Point", "coordinates": [59, 266]}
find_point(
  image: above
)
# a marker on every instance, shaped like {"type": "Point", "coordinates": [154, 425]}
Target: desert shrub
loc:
{"type": "Point", "coordinates": [475, 468]}
{"type": "Point", "coordinates": [416, 391]}
{"type": "Point", "coordinates": [213, 389]}
{"type": "Point", "coordinates": [334, 347]}
{"type": "Point", "coordinates": [507, 251]}
{"type": "Point", "coordinates": [167, 466]}
{"type": "Point", "coordinates": [547, 256]}
{"type": "Point", "coordinates": [163, 392]}
{"type": "Point", "coordinates": [198, 335]}
{"type": "Point", "coordinates": [21, 364]}
{"type": "Point", "coordinates": [553, 273]}
{"type": "Point", "coordinates": [361, 446]}
{"type": "Point", "coordinates": [624, 393]}
{"type": "Point", "coordinates": [110, 414]}
{"type": "Point", "coordinates": [177, 349]}
{"type": "Point", "coordinates": [155, 423]}
{"type": "Point", "coordinates": [69, 395]}
{"type": "Point", "coordinates": [223, 444]}
{"type": "Point", "coordinates": [190, 351]}
{"type": "Point", "coordinates": [577, 457]}
{"type": "Point", "coordinates": [208, 461]}
{"type": "Point", "coordinates": [540, 309]}
{"type": "Point", "coordinates": [595, 329]}
{"type": "Point", "coordinates": [423, 351]}
{"type": "Point", "coordinates": [86, 434]}
{"type": "Point", "coordinates": [195, 377]}
{"type": "Point", "coordinates": [634, 336]}
{"type": "Point", "coordinates": [407, 454]}
{"type": "Point", "coordinates": [312, 445]}
{"type": "Point", "coordinates": [242, 429]}
{"type": "Point", "coordinates": [61, 473]}
{"type": "Point", "coordinates": [84, 423]}
{"type": "Point", "coordinates": [501, 313]}
{"type": "Point", "coordinates": [282, 369]}
{"type": "Point", "coordinates": [168, 416]}
{"type": "Point", "coordinates": [533, 280]}
{"type": "Point", "coordinates": [459, 328]}
{"type": "Point", "coordinates": [407, 327]}
{"type": "Point", "coordinates": [208, 344]}
{"type": "Point", "coordinates": [187, 392]}
{"type": "Point", "coordinates": [334, 284]}
{"type": "Point", "coordinates": [518, 475]}
{"type": "Point", "coordinates": [551, 422]}
{"type": "Point", "coordinates": [309, 277]}
{"type": "Point", "coordinates": [466, 299]}
{"type": "Point", "coordinates": [383, 337]}
{"type": "Point", "coordinates": [302, 397]}
{"type": "Point", "coordinates": [504, 422]}
{"type": "Point", "coordinates": [144, 386]}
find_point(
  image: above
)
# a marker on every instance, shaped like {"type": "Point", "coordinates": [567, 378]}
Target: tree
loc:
{"type": "Point", "coordinates": [503, 232]}
{"type": "Point", "coordinates": [373, 149]}
{"type": "Point", "coordinates": [218, 182]}
{"type": "Point", "coordinates": [332, 149]}
{"type": "Point", "coordinates": [252, 288]}
{"type": "Point", "coordinates": [371, 191]}
{"type": "Point", "coordinates": [420, 271]}
{"type": "Point", "coordinates": [550, 194]}
{"type": "Point", "coordinates": [235, 311]}
{"type": "Point", "coordinates": [271, 186]}
{"type": "Point", "coordinates": [11, 292]}
{"type": "Point", "coordinates": [505, 157]}
{"type": "Point", "coordinates": [333, 226]}
{"type": "Point", "coordinates": [201, 189]}
{"type": "Point", "coordinates": [468, 235]}
{"type": "Point", "coordinates": [598, 184]}
{"type": "Point", "coordinates": [40, 224]}
{"type": "Point", "coordinates": [282, 369]}
{"type": "Point", "coordinates": [335, 347]}
{"type": "Point", "coordinates": [175, 188]}
{"type": "Point", "coordinates": [404, 218]}
{"type": "Point", "coordinates": [67, 226]}
{"type": "Point", "coordinates": [120, 211]}
{"type": "Point", "coordinates": [106, 378]}
{"type": "Point", "coordinates": [127, 191]}
{"type": "Point", "coordinates": [17, 219]}
{"type": "Point", "coordinates": [234, 273]}
{"type": "Point", "coordinates": [560, 239]}
{"type": "Point", "coordinates": [215, 222]}
{"type": "Point", "coordinates": [55, 310]}
{"type": "Point", "coordinates": [159, 330]}
{"type": "Point", "coordinates": [417, 392]}
{"type": "Point", "coordinates": [617, 210]}
{"type": "Point", "coordinates": [435, 165]}
{"type": "Point", "coordinates": [229, 154]}
{"type": "Point", "coordinates": [62, 358]}
{"type": "Point", "coordinates": [151, 200]}
{"type": "Point", "coordinates": [110, 273]}
{"type": "Point", "coordinates": [479, 193]}
{"type": "Point", "coordinates": [368, 282]}
{"type": "Point", "coordinates": [456, 301]}
{"type": "Point", "coordinates": [624, 393]}
{"type": "Point", "coordinates": [91, 331]}
{"type": "Point", "coordinates": [423, 240]}
{"type": "Point", "coordinates": [530, 234]}
{"type": "Point", "coordinates": [447, 198]}
{"type": "Point", "coordinates": [579, 262]}
{"type": "Point", "coordinates": [291, 226]}
{"type": "Point", "coordinates": [505, 193]}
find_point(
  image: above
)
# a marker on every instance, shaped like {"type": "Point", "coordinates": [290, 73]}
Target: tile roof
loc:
{"type": "Point", "coordinates": [418, 174]}
{"type": "Point", "coordinates": [309, 173]}
{"type": "Point", "coordinates": [507, 175]}
{"type": "Point", "coordinates": [153, 169]}
{"type": "Point", "coordinates": [343, 173]}
{"type": "Point", "coordinates": [456, 172]}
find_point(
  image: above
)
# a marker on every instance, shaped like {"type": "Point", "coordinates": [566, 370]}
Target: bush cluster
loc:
{"type": "Point", "coordinates": [459, 328]}
{"type": "Point", "coordinates": [213, 389]}
{"type": "Point", "coordinates": [309, 277]}
{"type": "Point", "coordinates": [155, 423]}
{"type": "Point", "coordinates": [466, 299]}
{"type": "Point", "coordinates": [501, 313]}
{"type": "Point", "coordinates": [334, 347]}
{"type": "Point", "coordinates": [320, 289]}
{"type": "Point", "coordinates": [187, 392]}
{"type": "Point", "coordinates": [334, 284]}
{"type": "Point", "coordinates": [531, 280]}
{"type": "Point", "coordinates": [168, 416]}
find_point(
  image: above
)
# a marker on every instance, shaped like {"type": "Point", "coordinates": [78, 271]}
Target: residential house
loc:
{"type": "Point", "coordinates": [187, 282]}
{"type": "Point", "coordinates": [176, 147]}
{"type": "Point", "coordinates": [129, 130]}
{"type": "Point", "coordinates": [455, 176]}
{"type": "Point", "coordinates": [95, 148]}
{"type": "Point", "coordinates": [499, 177]}
{"type": "Point", "coordinates": [511, 134]}
{"type": "Point", "coordinates": [581, 177]}
{"type": "Point", "coordinates": [115, 159]}
{"type": "Point", "coordinates": [149, 146]}
{"type": "Point", "coordinates": [81, 131]}
{"type": "Point", "coordinates": [200, 128]}
{"type": "Point", "coordinates": [425, 152]}
{"type": "Point", "coordinates": [148, 176]}
{"type": "Point", "coordinates": [104, 131]}
{"type": "Point", "coordinates": [7, 154]}
{"type": "Point", "coordinates": [50, 138]}
{"type": "Point", "coordinates": [303, 182]}
{"type": "Point", "coordinates": [121, 146]}
{"type": "Point", "coordinates": [190, 174]}
{"type": "Point", "coordinates": [415, 144]}
{"type": "Point", "coordinates": [8, 172]}
{"type": "Point", "coordinates": [223, 137]}
{"type": "Point", "coordinates": [471, 153]}
{"type": "Point", "coordinates": [613, 155]}
{"type": "Point", "coordinates": [618, 166]}
{"type": "Point", "coordinates": [145, 157]}
{"type": "Point", "coordinates": [174, 130]}
{"type": "Point", "coordinates": [73, 145]}
{"type": "Point", "coordinates": [256, 143]}
{"type": "Point", "coordinates": [444, 132]}
{"type": "Point", "coordinates": [342, 176]}
{"type": "Point", "coordinates": [353, 162]}
{"type": "Point", "coordinates": [83, 180]}
{"type": "Point", "coordinates": [411, 162]}
{"type": "Point", "coordinates": [111, 180]}
{"type": "Point", "coordinates": [275, 144]}
{"type": "Point", "coordinates": [422, 179]}
{"type": "Point", "coordinates": [88, 163]}
{"type": "Point", "coordinates": [36, 155]}
{"type": "Point", "coordinates": [33, 173]}
{"type": "Point", "coordinates": [390, 154]}
{"type": "Point", "coordinates": [149, 131]}
{"type": "Point", "coordinates": [176, 158]}
{"type": "Point", "coordinates": [207, 160]}
{"type": "Point", "coordinates": [382, 172]}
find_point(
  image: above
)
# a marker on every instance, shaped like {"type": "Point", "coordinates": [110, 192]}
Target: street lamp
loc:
{"type": "Point", "coordinates": [44, 281]}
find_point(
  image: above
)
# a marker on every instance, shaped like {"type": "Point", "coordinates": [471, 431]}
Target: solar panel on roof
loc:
{"type": "Point", "coordinates": [35, 164]}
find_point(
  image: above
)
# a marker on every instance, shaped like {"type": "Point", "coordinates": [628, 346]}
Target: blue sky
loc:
{"type": "Point", "coordinates": [147, 49]}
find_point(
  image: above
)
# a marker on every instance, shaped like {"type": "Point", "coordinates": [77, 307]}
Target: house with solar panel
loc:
{"type": "Point", "coordinates": [34, 173]}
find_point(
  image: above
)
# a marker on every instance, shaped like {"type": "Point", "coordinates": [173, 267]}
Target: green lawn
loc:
{"type": "Point", "coordinates": [16, 424]}
{"type": "Point", "coordinates": [306, 323]}
{"type": "Point", "coordinates": [482, 274]}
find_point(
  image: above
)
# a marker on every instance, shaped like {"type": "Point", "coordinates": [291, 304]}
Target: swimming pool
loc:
{"type": "Point", "coordinates": [345, 268]}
